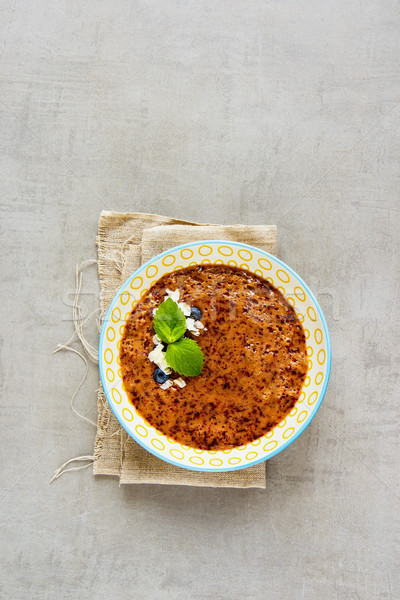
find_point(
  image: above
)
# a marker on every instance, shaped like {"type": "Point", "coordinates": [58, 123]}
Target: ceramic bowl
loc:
{"type": "Point", "coordinates": [296, 292]}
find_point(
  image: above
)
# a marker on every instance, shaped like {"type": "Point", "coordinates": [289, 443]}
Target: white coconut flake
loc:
{"type": "Point", "coordinates": [199, 325]}
{"type": "Point", "coordinates": [166, 385]}
{"type": "Point", "coordinates": [185, 308]}
{"type": "Point", "coordinates": [157, 356]}
{"type": "Point", "coordinates": [174, 295]}
{"type": "Point", "coordinates": [156, 339]}
{"type": "Point", "coordinates": [190, 324]}
{"type": "Point", "coordinates": [180, 382]}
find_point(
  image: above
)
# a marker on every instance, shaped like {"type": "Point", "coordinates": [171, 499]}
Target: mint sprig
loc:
{"type": "Point", "coordinates": [185, 357]}
{"type": "Point", "coordinates": [183, 354]}
{"type": "Point", "coordinates": [169, 322]}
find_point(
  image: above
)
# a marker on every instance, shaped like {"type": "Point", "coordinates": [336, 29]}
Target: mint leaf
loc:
{"type": "Point", "coordinates": [185, 357]}
{"type": "Point", "coordinates": [169, 321]}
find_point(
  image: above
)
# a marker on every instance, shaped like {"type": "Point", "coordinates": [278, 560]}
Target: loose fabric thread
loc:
{"type": "Point", "coordinates": [61, 470]}
{"type": "Point", "coordinates": [68, 348]}
{"type": "Point", "coordinates": [92, 354]}
{"type": "Point", "coordinates": [77, 312]}
{"type": "Point", "coordinates": [120, 264]}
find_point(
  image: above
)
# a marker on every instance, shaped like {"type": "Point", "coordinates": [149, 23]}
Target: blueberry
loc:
{"type": "Point", "coordinates": [159, 376]}
{"type": "Point", "coordinates": [195, 313]}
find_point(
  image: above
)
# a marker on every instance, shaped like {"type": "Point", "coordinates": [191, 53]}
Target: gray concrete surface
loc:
{"type": "Point", "coordinates": [268, 111]}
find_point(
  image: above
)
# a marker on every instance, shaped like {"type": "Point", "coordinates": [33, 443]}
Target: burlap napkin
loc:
{"type": "Point", "coordinates": [125, 241]}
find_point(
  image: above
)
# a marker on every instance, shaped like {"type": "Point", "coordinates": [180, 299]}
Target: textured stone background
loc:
{"type": "Point", "coordinates": [232, 111]}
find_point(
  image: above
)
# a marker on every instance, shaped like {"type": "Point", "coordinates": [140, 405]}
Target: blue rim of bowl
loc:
{"type": "Point", "coordinates": [267, 255]}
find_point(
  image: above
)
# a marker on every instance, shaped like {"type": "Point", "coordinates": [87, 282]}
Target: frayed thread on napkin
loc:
{"type": "Point", "coordinates": [91, 353]}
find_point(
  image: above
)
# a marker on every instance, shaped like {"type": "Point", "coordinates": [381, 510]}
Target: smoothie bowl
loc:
{"type": "Point", "coordinates": [214, 356]}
